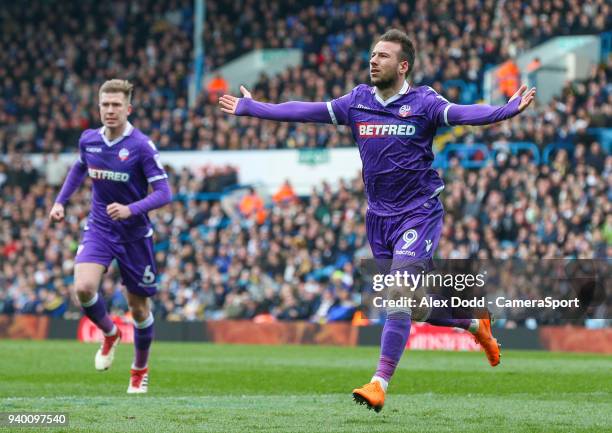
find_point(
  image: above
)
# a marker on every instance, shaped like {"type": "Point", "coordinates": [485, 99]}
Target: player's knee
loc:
{"type": "Point", "coordinates": [140, 314]}
{"type": "Point", "coordinates": [140, 310]}
{"type": "Point", "coordinates": [421, 310]}
{"type": "Point", "coordinates": [420, 314]}
{"type": "Point", "coordinates": [85, 290]}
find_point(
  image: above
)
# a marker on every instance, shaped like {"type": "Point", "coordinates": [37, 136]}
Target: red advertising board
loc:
{"type": "Point", "coordinates": [576, 339]}
{"type": "Point", "coordinates": [89, 333]}
{"type": "Point", "coordinates": [248, 332]}
{"type": "Point", "coordinates": [424, 336]}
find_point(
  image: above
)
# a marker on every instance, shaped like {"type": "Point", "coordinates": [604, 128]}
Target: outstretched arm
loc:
{"type": "Point", "coordinates": [482, 114]}
{"type": "Point", "coordinates": [294, 111]}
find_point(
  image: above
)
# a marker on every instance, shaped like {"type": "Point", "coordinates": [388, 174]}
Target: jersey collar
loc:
{"type": "Point", "coordinates": [126, 132]}
{"type": "Point", "coordinates": [405, 89]}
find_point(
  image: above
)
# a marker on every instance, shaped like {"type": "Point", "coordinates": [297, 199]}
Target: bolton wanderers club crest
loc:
{"type": "Point", "coordinates": [124, 154]}
{"type": "Point", "coordinates": [405, 111]}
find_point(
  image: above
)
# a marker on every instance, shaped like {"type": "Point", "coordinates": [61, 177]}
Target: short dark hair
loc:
{"type": "Point", "coordinates": [407, 52]}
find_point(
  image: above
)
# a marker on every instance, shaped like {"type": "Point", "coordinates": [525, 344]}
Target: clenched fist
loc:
{"type": "Point", "coordinates": [57, 212]}
{"type": "Point", "coordinates": [118, 211]}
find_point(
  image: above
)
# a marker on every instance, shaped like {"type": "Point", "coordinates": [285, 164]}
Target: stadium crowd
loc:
{"type": "Point", "coordinates": [287, 257]}
{"type": "Point", "coordinates": [284, 257]}
{"type": "Point", "coordinates": [564, 120]}
{"type": "Point", "coordinates": [50, 71]}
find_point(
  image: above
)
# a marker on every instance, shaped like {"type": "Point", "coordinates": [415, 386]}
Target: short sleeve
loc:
{"type": "Point", "coordinates": [436, 107]}
{"type": "Point", "coordinates": [339, 109]}
{"type": "Point", "coordinates": [151, 163]}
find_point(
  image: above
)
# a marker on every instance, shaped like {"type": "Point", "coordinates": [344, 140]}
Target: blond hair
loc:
{"type": "Point", "coordinates": [118, 86]}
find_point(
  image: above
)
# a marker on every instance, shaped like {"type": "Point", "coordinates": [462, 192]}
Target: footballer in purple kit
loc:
{"type": "Point", "coordinates": [394, 125]}
{"type": "Point", "coordinates": [122, 163]}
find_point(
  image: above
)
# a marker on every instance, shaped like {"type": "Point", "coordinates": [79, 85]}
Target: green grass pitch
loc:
{"type": "Point", "coordinates": [221, 388]}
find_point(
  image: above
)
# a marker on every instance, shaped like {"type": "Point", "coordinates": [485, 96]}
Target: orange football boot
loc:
{"type": "Point", "coordinates": [371, 394]}
{"type": "Point", "coordinates": [485, 338]}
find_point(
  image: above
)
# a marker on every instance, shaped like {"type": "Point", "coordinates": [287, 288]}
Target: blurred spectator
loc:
{"type": "Point", "coordinates": [595, 157]}
{"type": "Point", "coordinates": [252, 206]}
{"type": "Point", "coordinates": [285, 194]}
{"type": "Point", "coordinates": [55, 170]}
{"type": "Point", "coordinates": [508, 78]}
{"type": "Point", "coordinates": [216, 88]}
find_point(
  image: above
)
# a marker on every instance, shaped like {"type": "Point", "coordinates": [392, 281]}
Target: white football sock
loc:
{"type": "Point", "coordinates": [112, 331]}
{"type": "Point", "coordinates": [91, 302]}
{"type": "Point", "coordinates": [383, 383]}
{"type": "Point", "coordinates": [139, 368]}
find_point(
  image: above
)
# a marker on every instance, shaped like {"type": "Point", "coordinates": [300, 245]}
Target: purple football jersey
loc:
{"type": "Point", "coordinates": [121, 171]}
{"type": "Point", "coordinates": [395, 143]}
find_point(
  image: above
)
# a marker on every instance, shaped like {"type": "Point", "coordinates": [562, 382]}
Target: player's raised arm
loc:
{"type": "Point", "coordinates": [73, 181]}
{"type": "Point", "coordinates": [293, 111]}
{"type": "Point", "coordinates": [482, 114]}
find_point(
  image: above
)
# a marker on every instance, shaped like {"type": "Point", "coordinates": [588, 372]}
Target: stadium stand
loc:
{"type": "Point", "coordinates": [46, 111]}
{"type": "Point", "coordinates": [299, 261]}
{"type": "Point", "coordinates": [55, 55]}
{"type": "Point", "coordinates": [296, 260]}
